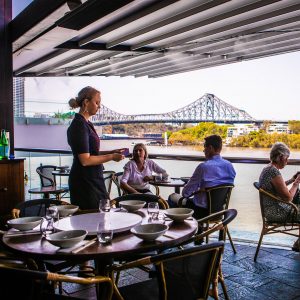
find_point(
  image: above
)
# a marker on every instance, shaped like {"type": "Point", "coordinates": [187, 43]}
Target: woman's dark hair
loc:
{"type": "Point", "coordinates": [213, 140]}
{"type": "Point", "coordinates": [141, 145]}
{"type": "Point", "coordinates": [87, 92]}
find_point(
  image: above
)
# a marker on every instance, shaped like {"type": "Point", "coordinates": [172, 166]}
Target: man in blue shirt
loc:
{"type": "Point", "coordinates": [213, 172]}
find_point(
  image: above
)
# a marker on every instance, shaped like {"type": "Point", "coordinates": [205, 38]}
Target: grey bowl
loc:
{"type": "Point", "coordinates": [178, 214]}
{"type": "Point", "coordinates": [66, 239]}
{"type": "Point", "coordinates": [132, 205]}
{"type": "Point", "coordinates": [66, 210]}
{"type": "Point", "coordinates": [149, 232]}
{"type": "Point", "coordinates": [25, 223]}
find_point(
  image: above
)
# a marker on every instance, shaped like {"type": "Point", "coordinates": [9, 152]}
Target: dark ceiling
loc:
{"type": "Point", "coordinates": [149, 37]}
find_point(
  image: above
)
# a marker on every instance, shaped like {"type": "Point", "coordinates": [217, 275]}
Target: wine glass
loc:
{"type": "Point", "coordinates": [153, 210]}
{"type": "Point", "coordinates": [104, 205]}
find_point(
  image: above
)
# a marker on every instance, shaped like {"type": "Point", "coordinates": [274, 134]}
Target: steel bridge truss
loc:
{"type": "Point", "coordinates": [208, 108]}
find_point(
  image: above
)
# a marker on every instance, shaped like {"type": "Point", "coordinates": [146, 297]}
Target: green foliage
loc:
{"type": "Point", "coordinates": [196, 134]}
{"type": "Point", "coordinates": [294, 126]}
{"type": "Point", "coordinates": [64, 116]}
{"type": "Point", "coordinates": [263, 140]}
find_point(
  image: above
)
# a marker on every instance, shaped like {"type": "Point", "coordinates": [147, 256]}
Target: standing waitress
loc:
{"type": "Point", "coordinates": [86, 181]}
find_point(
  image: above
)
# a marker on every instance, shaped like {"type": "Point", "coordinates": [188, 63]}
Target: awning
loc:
{"type": "Point", "coordinates": [149, 37]}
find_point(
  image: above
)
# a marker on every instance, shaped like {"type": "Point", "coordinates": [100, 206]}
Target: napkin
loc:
{"type": "Point", "coordinates": [78, 247]}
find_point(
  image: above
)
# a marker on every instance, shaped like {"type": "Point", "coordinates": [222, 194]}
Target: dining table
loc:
{"type": "Point", "coordinates": [124, 245]}
{"type": "Point", "coordinates": [177, 183]}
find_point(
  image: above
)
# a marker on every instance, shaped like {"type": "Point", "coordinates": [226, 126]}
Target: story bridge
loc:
{"type": "Point", "coordinates": [208, 108]}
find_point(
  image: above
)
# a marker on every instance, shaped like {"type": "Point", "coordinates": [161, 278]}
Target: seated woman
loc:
{"type": "Point", "coordinates": [271, 180]}
{"type": "Point", "coordinates": [138, 171]}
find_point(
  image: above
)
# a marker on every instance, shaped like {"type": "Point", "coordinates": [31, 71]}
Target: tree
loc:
{"type": "Point", "coordinates": [294, 126]}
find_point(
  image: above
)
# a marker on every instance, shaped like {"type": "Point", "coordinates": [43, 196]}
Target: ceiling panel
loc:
{"type": "Point", "coordinates": [149, 37]}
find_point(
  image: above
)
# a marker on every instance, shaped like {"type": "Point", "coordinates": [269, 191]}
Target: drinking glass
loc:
{"type": "Point", "coordinates": [104, 205]}
{"type": "Point", "coordinates": [47, 225]}
{"type": "Point", "coordinates": [153, 210]}
{"type": "Point", "coordinates": [104, 229]}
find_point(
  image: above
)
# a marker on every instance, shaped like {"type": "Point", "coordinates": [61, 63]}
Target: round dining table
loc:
{"type": "Point", "coordinates": [176, 183]}
{"type": "Point", "coordinates": [124, 243]}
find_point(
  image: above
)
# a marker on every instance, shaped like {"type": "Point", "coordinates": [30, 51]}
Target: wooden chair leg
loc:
{"type": "Point", "coordinates": [259, 243]}
{"type": "Point", "coordinates": [230, 240]}
{"type": "Point", "coordinates": [222, 281]}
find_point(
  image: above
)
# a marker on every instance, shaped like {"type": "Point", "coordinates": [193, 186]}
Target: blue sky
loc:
{"type": "Point", "coordinates": [266, 88]}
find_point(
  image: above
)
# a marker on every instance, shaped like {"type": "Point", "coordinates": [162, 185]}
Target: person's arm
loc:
{"type": "Point", "coordinates": [93, 160]}
{"type": "Point", "coordinates": [123, 182]}
{"type": "Point", "coordinates": [120, 151]}
{"type": "Point", "coordinates": [158, 169]}
{"type": "Point", "coordinates": [129, 189]}
{"type": "Point", "coordinates": [194, 184]}
{"type": "Point", "coordinates": [282, 189]}
{"type": "Point", "coordinates": [288, 182]}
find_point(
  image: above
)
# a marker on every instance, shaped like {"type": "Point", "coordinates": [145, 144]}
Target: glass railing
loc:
{"type": "Point", "coordinates": [245, 199]}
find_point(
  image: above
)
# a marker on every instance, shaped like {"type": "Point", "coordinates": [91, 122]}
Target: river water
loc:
{"type": "Point", "coordinates": [244, 197]}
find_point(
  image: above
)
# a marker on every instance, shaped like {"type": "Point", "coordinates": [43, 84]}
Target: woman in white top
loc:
{"type": "Point", "coordinates": [138, 171]}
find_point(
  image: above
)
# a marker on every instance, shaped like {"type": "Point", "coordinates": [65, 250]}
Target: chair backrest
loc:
{"type": "Point", "coordinates": [274, 209]}
{"type": "Point", "coordinates": [117, 181]}
{"type": "Point", "coordinates": [46, 176]}
{"type": "Point", "coordinates": [36, 207]}
{"type": "Point", "coordinates": [223, 218]}
{"type": "Point", "coordinates": [143, 197]}
{"type": "Point", "coordinates": [34, 285]}
{"type": "Point", "coordinates": [108, 180]}
{"type": "Point", "coordinates": [187, 274]}
{"type": "Point", "coordinates": [218, 197]}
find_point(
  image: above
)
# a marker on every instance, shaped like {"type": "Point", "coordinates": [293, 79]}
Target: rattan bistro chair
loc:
{"type": "Point", "coordinates": [218, 198]}
{"type": "Point", "coordinates": [48, 180]}
{"type": "Point", "coordinates": [25, 284]}
{"type": "Point", "coordinates": [108, 181]}
{"type": "Point", "coordinates": [183, 274]}
{"type": "Point", "coordinates": [223, 218]}
{"type": "Point", "coordinates": [278, 216]}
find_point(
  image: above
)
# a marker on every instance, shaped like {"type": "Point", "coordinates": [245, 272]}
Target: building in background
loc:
{"type": "Point", "coordinates": [18, 96]}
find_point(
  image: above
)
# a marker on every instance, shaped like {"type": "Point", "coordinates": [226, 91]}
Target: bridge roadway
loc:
{"type": "Point", "coordinates": [257, 122]}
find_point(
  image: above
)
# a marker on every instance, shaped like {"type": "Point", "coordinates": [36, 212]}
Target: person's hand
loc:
{"type": "Point", "coordinates": [15, 213]}
{"type": "Point", "coordinates": [148, 178]}
{"type": "Point", "coordinates": [295, 176]}
{"type": "Point", "coordinates": [297, 180]}
{"type": "Point", "coordinates": [118, 156]}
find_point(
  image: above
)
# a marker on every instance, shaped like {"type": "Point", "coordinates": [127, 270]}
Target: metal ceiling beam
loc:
{"type": "Point", "coordinates": [219, 56]}
{"type": "Point", "coordinates": [39, 61]}
{"type": "Point", "coordinates": [223, 47]}
{"type": "Point", "coordinates": [202, 7]}
{"type": "Point", "coordinates": [124, 21]}
{"type": "Point", "coordinates": [33, 14]}
{"type": "Point", "coordinates": [90, 12]}
{"type": "Point", "coordinates": [64, 62]}
{"type": "Point", "coordinates": [195, 67]}
{"type": "Point", "coordinates": [208, 21]}
{"type": "Point", "coordinates": [100, 46]}
{"type": "Point", "coordinates": [238, 25]}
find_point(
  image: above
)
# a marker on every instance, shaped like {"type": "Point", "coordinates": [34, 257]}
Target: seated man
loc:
{"type": "Point", "coordinates": [213, 172]}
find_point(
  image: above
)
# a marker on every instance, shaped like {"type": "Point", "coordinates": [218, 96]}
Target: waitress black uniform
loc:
{"type": "Point", "coordinates": [86, 183]}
